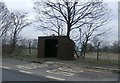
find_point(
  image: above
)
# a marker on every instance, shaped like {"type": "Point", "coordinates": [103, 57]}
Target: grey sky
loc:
{"type": "Point", "coordinates": [27, 6]}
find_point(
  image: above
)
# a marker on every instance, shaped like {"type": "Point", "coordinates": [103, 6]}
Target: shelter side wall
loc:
{"type": "Point", "coordinates": [65, 49]}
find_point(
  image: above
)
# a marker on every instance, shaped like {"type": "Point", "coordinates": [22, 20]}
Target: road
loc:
{"type": "Point", "coordinates": [11, 75]}
{"type": "Point", "coordinates": [24, 70]}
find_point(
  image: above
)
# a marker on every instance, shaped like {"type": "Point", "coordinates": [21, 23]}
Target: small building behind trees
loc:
{"type": "Point", "coordinates": [60, 47]}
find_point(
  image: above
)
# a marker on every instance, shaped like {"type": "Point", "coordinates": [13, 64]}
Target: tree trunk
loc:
{"type": "Point", "coordinates": [76, 53]}
{"type": "Point", "coordinates": [14, 39]}
{"type": "Point", "coordinates": [68, 30]}
{"type": "Point", "coordinates": [13, 46]}
{"type": "Point", "coordinates": [97, 54]}
{"type": "Point", "coordinates": [98, 51]}
{"type": "Point", "coordinates": [30, 47]}
{"type": "Point", "coordinates": [83, 51]}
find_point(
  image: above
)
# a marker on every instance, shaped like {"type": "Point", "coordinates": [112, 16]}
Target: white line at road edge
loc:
{"type": "Point", "coordinates": [25, 72]}
{"type": "Point", "coordinates": [55, 78]}
{"type": "Point", "coordinates": [4, 67]}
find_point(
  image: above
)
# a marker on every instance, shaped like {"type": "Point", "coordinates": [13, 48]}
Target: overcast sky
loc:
{"type": "Point", "coordinates": [27, 6]}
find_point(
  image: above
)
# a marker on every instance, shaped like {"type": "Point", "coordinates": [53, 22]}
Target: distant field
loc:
{"type": "Point", "coordinates": [108, 59]}
{"type": "Point", "coordinates": [91, 55]}
{"type": "Point", "coordinates": [22, 54]}
{"type": "Point", "coordinates": [26, 52]}
{"type": "Point", "coordinates": [90, 58]}
{"type": "Point", "coordinates": [104, 56]}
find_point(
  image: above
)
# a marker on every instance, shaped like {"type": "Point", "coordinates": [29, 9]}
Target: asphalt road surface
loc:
{"type": "Point", "coordinates": [11, 75]}
{"type": "Point", "coordinates": [16, 70]}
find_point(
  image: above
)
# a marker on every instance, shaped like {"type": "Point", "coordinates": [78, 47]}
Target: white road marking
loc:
{"type": "Point", "coordinates": [0, 66]}
{"type": "Point", "coordinates": [59, 63]}
{"type": "Point", "coordinates": [20, 66]}
{"type": "Point", "coordinates": [81, 71]}
{"type": "Point", "coordinates": [25, 72]}
{"type": "Point", "coordinates": [43, 65]}
{"type": "Point", "coordinates": [94, 71]}
{"type": "Point", "coordinates": [60, 72]}
{"type": "Point", "coordinates": [99, 71]}
{"type": "Point", "coordinates": [69, 70]}
{"type": "Point", "coordinates": [61, 79]}
{"type": "Point", "coordinates": [5, 67]}
{"type": "Point", "coordinates": [50, 62]}
{"type": "Point", "coordinates": [31, 66]}
{"type": "Point", "coordinates": [68, 74]}
{"type": "Point", "coordinates": [53, 71]}
{"type": "Point", "coordinates": [65, 69]}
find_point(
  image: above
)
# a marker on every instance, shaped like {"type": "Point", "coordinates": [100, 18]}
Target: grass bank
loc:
{"type": "Point", "coordinates": [107, 59]}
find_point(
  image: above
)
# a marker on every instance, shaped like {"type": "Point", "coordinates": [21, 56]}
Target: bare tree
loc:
{"type": "Point", "coordinates": [5, 19]}
{"type": "Point", "coordinates": [34, 43]}
{"type": "Point", "coordinates": [97, 44]}
{"type": "Point", "coordinates": [29, 45]}
{"type": "Point", "coordinates": [72, 14]}
{"type": "Point", "coordinates": [89, 16]}
{"type": "Point", "coordinates": [90, 32]}
{"type": "Point", "coordinates": [19, 22]}
{"type": "Point", "coordinates": [56, 27]}
{"type": "Point", "coordinates": [116, 46]}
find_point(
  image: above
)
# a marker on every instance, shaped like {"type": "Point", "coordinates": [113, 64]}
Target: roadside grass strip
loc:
{"type": "Point", "coordinates": [55, 78]}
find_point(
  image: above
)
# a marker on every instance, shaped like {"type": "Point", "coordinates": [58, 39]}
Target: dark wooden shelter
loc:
{"type": "Point", "coordinates": [60, 47]}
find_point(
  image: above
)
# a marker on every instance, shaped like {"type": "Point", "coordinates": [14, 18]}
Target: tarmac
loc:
{"type": "Point", "coordinates": [71, 67]}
